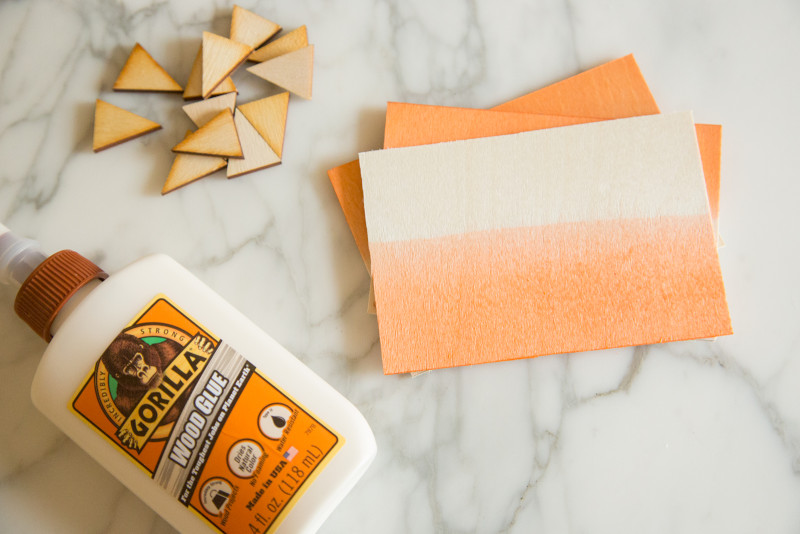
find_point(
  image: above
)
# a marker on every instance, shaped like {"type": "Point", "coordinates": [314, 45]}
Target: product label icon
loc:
{"type": "Point", "coordinates": [273, 420]}
{"type": "Point", "coordinates": [214, 495]}
{"type": "Point", "coordinates": [244, 457]}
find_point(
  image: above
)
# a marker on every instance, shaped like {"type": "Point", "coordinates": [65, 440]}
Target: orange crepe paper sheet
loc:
{"type": "Point", "coordinates": [346, 181]}
{"type": "Point", "coordinates": [417, 124]}
{"type": "Point", "coordinates": [709, 139]}
{"type": "Point", "coordinates": [617, 232]}
{"type": "Point", "coordinates": [612, 90]}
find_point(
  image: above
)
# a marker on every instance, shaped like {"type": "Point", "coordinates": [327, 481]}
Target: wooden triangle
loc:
{"type": "Point", "coordinates": [221, 57]}
{"type": "Point", "coordinates": [195, 83]}
{"type": "Point", "coordinates": [251, 29]}
{"type": "Point", "coordinates": [142, 73]}
{"type": "Point", "coordinates": [293, 71]}
{"type": "Point", "coordinates": [294, 40]}
{"type": "Point", "coordinates": [257, 153]}
{"type": "Point", "coordinates": [203, 111]}
{"type": "Point", "coordinates": [217, 138]}
{"type": "Point", "coordinates": [190, 167]}
{"type": "Point", "coordinates": [268, 116]}
{"type": "Point", "coordinates": [113, 125]}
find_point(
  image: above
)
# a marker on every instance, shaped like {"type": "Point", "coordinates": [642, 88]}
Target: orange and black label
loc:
{"type": "Point", "coordinates": [203, 422]}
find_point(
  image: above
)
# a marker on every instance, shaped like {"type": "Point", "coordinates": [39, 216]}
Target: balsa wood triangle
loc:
{"type": "Point", "coordinates": [188, 168]}
{"type": "Point", "coordinates": [251, 29]}
{"type": "Point", "coordinates": [217, 138]}
{"type": "Point", "coordinates": [113, 125]}
{"type": "Point", "coordinates": [142, 73]}
{"type": "Point", "coordinates": [268, 116]}
{"type": "Point", "coordinates": [293, 71]}
{"type": "Point", "coordinates": [257, 153]}
{"type": "Point", "coordinates": [203, 111]}
{"type": "Point", "coordinates": [294, 40]}
{"type": "Point", "coordinates": [195, 83]}
{"type": "Point", "coordinates": [221, 56]}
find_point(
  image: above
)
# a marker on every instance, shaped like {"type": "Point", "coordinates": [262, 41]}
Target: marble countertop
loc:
{"type": "Point", "coordinates": [684, 437]}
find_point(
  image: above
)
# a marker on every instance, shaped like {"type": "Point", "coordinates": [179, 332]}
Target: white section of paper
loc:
{"type": "Point", "coordinates": [640, 167]}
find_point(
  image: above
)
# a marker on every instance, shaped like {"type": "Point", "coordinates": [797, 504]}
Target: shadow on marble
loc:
{"type": "Point", "coordinates": [83, 126]}
{"type": "Point", "coordinates": [371, 124]}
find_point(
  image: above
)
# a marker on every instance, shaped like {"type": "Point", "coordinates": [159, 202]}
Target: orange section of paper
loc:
{"type": "Point", "coordinates": [531, 291]}
{"type": "Point", "coordinates": [413, 124]}
{"type": "Point", "coordinates": [709, 139]}
{"type": "Point", "coordinates": [346, 181]}
{"type": "Point", "coordinates": [615, 89]}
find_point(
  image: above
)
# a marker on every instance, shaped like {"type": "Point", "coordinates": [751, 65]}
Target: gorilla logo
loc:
{"type": "Point", "coordinates": [138, 367]}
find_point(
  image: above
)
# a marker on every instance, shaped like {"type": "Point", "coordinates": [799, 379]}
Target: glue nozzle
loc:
{"type": "Point", "coordinates": [18, 257]}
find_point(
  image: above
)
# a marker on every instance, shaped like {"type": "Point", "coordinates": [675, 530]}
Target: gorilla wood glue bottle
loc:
{"type": "Point", "coordinates": [201, 414]}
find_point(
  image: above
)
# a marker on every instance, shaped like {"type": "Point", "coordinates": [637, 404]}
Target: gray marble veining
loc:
{"type": "Point", "coordinates": [685, 437]}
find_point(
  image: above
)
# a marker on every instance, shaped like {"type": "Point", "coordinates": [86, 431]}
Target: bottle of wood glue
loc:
{"type": "Point", "coordinates": [201, 414]}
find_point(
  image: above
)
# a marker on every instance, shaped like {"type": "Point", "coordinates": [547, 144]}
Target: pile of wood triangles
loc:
{"type": "Point", "coordinates": [245, 138]}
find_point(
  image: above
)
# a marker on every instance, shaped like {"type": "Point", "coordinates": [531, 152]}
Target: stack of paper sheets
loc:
{"type": "Point", "coordinates": [540, 226]}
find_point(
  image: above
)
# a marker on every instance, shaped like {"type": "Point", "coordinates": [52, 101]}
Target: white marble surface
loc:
{"type": "Point", "coordinates": [685, 437]}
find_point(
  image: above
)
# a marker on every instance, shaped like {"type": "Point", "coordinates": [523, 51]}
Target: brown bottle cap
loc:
{"type": "Point", "coordinates": [50, 286]}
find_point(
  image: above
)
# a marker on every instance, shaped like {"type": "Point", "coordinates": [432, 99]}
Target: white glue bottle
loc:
{"type": "Point", "coordinates": [201, 414]}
